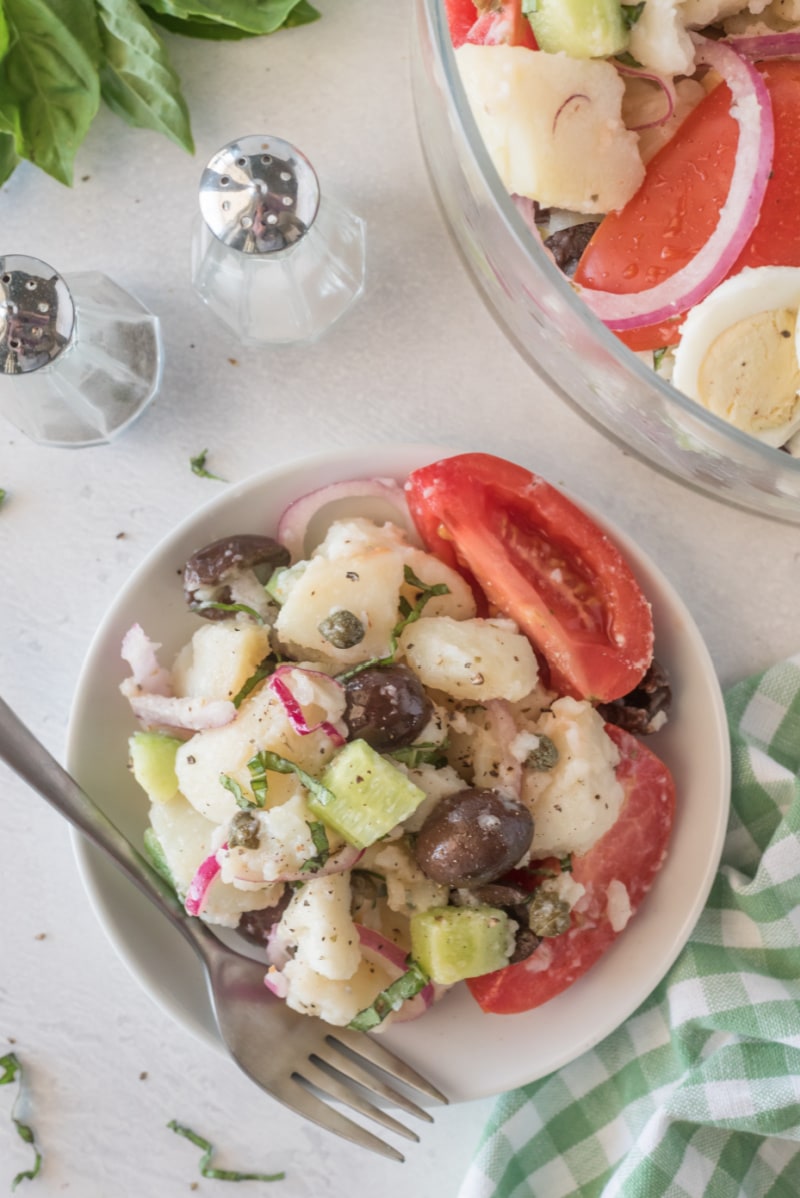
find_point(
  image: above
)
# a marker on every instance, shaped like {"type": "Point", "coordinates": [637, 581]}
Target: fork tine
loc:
{"type": "Point", "coordinates": [361, 1045]}
{"type": "Point", "coordinates": [325, 1079]}
{"type": "Point", "coordinates": [293, 1094]}
{"type": "Point", "coordinates": [345, 1063]}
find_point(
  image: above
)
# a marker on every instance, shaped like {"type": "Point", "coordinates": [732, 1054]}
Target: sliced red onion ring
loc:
{"type": "Point", "coordinates": [181, 714]}
{"type": "Point", "coordinates": [293, 709]}
{"type": "Point", "coordinates": [294, 523]}
{"type": "Point", "coordinates": [390, 954]}
{"type": "Point", "coordinates": [141, 654]}
{"type": "Point", "coordinates": [766, 45]}
{"type": "Point", "coordinates": [752, 109]}
{"type": "Point", "coordinates": [666, 85]}
{"type": "Point", "coordinates": [275, 982]}
{"type": "Point", "coordinates": [197, 893]}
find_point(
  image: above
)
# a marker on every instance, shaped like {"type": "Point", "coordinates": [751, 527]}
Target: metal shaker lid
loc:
{"type": "Point", "coordinates": [259, 194]}
{"type": "Point", "coordinates": [37, 314]}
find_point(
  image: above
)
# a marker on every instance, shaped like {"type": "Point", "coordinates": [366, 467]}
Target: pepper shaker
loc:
{"type": "Point", "coordinates": [80, 357]}
{"type": "Point", "coordinates": [274, 258]}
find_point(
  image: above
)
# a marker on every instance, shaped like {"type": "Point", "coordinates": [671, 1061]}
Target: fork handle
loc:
{"type": "Point", "coordinates": [29, 758]}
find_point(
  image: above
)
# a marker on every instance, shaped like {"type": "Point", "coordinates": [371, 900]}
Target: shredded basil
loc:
{"type": "Point", "coordinates": [207, 603]}
{"type": "Point", "coordinates": [198, 465]}
{"type": "Point", "coordinates": [408, 615]}
{"type": "Point", "coordinates": [282, 765]}
{"type": "Point", "coordinates": [631, 13]}
{"type": "Point", "coordinates": [658, 357]}
{"type": "Point", "coordinates": [320, 839]}
{"type": "Point", "coordinates": [242, 800]}
{"type": "Point", "coordinates": [258, 778]}
{"type": "Point", "coordinates": [566, 864]}
{"type": "Point", "coordinates": [205, 1160]}
{"type": "Point", "coordinates": [12, 1070]}
{"type": "Point", "coordinates": [262, 671]}
{"type": "Point", "coordinates": [3, 494]}
{"type": "Point", "coordinates": [406, 986]}
{"type": "Point", "coordinates": [425, 753]}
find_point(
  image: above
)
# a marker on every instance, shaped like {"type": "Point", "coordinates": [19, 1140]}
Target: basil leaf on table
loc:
{"type": "Point", "coordinates": [49, 82]}
{"type": "Point", "coordinates": [136, 78]}
{"type": "Point", "coordinates": [252, 16]}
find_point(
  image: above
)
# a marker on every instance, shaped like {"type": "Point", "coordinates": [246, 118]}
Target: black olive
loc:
{"type": "Point", "coordinates": [473, 837]}
{"type": "Point", "coordinates": [386, 706]}
{"type": "Point", "coordinates": [256, 926]}
{"type": "Point", "coordinates": [645, 709]}
{"type": "Point", "coordinates": [210, 574]}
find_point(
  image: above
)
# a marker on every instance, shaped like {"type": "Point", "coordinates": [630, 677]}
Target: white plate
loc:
{"type": "Point", "coordinates": [468, 1054]}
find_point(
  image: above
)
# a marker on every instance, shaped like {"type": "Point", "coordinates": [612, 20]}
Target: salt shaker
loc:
{"type": "Point", "coordinates": [80, 356]}
{"type": "Point", "coordinates": [273, 257]}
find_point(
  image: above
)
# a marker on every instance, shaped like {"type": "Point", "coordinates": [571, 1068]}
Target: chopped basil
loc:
{"type": "Point", "coordinates": [3, 494]}
{"type": "Point", "coordinates": [320, 838]}
{"type": "Point", "coordinates": [425, 753]}
{"type": "Point", "coordinates": [282, 765]}
{"type": "Point", "coordinates": [242, 800]}
{"type": "Point", "coordinates": [207, 603]}
{"type": "Point", "coordinates": [205, 1160]}
{"type": "Point", "coordinates": [566, 864]}
{"type": "Point", "coordinates": [408, 615]}
{"type": "Point", "coordinates": [393, 997]}
{"type": "Point", "coordinates": [198, 465]}
{"type": "Point", "coordinates": [262, 671]}
{"type": "Point", "coordinates": [631, 13]}
{"type": "Point", "coordinates": [12, 1070]}
{"type": "Point", "coordinates": [658, 357]}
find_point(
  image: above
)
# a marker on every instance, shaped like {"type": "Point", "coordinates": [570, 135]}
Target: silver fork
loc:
{"type": "Point", "coordinates": [300, 1061]}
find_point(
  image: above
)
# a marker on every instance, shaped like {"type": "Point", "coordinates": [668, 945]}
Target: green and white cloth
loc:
{"type": "Point", "coordinates": [698, 1093]}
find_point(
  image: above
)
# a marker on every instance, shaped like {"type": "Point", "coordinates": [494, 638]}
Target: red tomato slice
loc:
{"type": "Point", "coordinates": [677, 207]}
{"type": "Point", "coordinates": [632, 852]}
{"type": "Point", "coordinates": [542, 561]}
{"type": "Point", "coordinates": [490, 25]}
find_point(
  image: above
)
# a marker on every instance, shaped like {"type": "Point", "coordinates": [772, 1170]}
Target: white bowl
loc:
{"type": "Point", "coordinates": [467, 1053]}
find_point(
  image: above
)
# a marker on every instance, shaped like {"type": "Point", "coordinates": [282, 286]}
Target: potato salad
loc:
{"type": "Point", "coordinates": [654, 149]}
{"type": "Point", "coordinates": [364, 769]}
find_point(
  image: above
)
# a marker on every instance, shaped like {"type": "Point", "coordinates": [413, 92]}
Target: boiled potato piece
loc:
{"type": "Point", "coordinates": [219, 659]}
{"type": "Point", "coordinates": [553, 126]}
{"type": "Point", "coordinates": [470, 659]}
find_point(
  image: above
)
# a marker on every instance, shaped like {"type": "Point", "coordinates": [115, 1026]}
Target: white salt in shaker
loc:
{"type": "Point", "coordinates": [273, 257]}
{"type": "Point", "coordinates": [79, 357]}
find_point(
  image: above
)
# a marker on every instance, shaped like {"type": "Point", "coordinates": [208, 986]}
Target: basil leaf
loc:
{"type": "Point", "coordinates": [406, 986]}
{"type": "Point", "coordinates": [198, 465]}
{"type": "Point", "coordinates": [11, 1070]}
{"type": "Point", "coordinates": [211, 603]}
{"type": "Point", "coordinates": [302, 14]}
{"type": "Point", "coordinates": [205, 1160]}
{"type": "Point", "coordinates": [49, 79]}
{"type": "Point", "coordinates": [242, 800]}
{"type": "Point", "coordinates": [198, 27]}
{"type": "Point", "coordinates": [319, 838]}
{"type": "Point", "coordinates": [9, 159]}
{"type": "Point", "coordinates": [282, 765]}
{"type": "Point", "coordinates": [136, 78]}
{"type": "Point", "coordinates": [251, 16]}
{"type": "Point", "coordinates": [262, 671]}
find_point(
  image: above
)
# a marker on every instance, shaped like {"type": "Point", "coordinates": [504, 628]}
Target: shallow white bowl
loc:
{"type": "Point", "coordinates": [468, 1054]}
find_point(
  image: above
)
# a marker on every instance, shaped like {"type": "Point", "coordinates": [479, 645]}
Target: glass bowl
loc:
{"type": "Point", "coordinates": [551, 326]}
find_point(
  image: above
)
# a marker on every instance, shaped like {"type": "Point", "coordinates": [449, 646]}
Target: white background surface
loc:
{"type": "Point", "coordinates": [420, 359]}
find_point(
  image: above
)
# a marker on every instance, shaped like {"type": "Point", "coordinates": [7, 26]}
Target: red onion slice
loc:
{"type": "Point", "coordinates": [275, 982]}
{"type": "Point", "coordinates": [293, 709]}
{"type": "Point", "coordinates": [295, 521]}
{"type": "Point", "coordinates": [766, 45]}
{"type": "Point", "coordinates": [141, 654]}
{"type": "Point", "coordinates": [389, 954]}
{"type": "Point", "coordinates": [180, 714]}
{"type": "Point", "coordinates": [197, 893]}
{"type": "Point", "coordinates": [752, 109]}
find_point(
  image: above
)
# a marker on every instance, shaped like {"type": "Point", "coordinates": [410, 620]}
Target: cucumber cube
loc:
{"type": "Point", "coordinates": [581, 28]}
{"type": "Point", "coordinates": [368, 795]}
{"type": "Point", "coordinates": [453, 943]}
{"type": "Point", "coordinates": [152, 759]}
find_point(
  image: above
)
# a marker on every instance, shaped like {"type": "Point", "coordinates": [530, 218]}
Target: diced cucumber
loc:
{"type": "Point", "coordinates": [282, 580]}
{"type": "Point", "coordinates": [453, 943]}
{"type": "Point", "coordinates": [368, 796]}
{"type": "Point", "coordinates": [154, 851]}
{"type": "Point", "coordinates": [152, 759]}
{"type": "Point", "coordinates": [581, 28]}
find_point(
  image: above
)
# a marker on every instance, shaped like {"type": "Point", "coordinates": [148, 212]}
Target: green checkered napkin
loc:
{"type": "Point", "coordinates": [698, 1093]}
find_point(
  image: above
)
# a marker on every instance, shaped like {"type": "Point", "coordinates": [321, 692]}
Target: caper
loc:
{"type": "Point", "coordinates": [548, 915]}
{"type": "Point", "coordinates": [544, 756]}
{"type": "Point", "coordinates": [342, 629]}
{"type": "Point", "coordinates": [244, 830]}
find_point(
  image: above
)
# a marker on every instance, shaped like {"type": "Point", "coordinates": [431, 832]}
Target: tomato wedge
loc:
{"type": "Point", "coordinates": [677, 207]}
{"type": "Point", "coordinates": [631, 852]}
{"type": "Point", "coordinates": [542, 561]}
{"type": "Point", "coordinates": [488, 23]}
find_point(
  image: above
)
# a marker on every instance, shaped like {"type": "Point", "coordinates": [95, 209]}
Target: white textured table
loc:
{"type": "Point", "coordinates": [416, 360]}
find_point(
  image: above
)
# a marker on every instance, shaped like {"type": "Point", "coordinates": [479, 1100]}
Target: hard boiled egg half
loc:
{"type": "Point", "coordinates": [739, 353]}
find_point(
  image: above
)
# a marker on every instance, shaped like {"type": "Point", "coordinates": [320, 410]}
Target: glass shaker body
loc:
{"type": "Point", "coordinates": [275, 260]}
{"type": "Point", "coordinates": [100, 375]}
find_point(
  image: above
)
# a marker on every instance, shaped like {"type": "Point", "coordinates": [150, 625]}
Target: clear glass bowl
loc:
{"type": "Point", "coordinates": [549, 324]}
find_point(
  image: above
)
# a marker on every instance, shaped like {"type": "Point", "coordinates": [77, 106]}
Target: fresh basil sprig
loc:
{"type": "Point", "coordinates": [11, 1071]}
{"type": "Point", "coordinates": [60, 59]}
{"type": "Point", "coordinates": [205, 1167]}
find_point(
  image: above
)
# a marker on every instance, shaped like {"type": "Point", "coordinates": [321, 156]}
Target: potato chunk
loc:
{"type": "Point", "coordinates": [471, 659]}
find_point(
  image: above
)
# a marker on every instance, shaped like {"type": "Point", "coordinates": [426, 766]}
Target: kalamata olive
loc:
{"type": "Point", "coordinates": [210, 574]}
{"type": "Point", "coordinates": [386, 706]}
{"type": "Point", "coordinates": [646, 708]}
{"type": "Point", "coordinates": [256, 926]}
{"type": "Point", "coordinates": [473, 837]}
